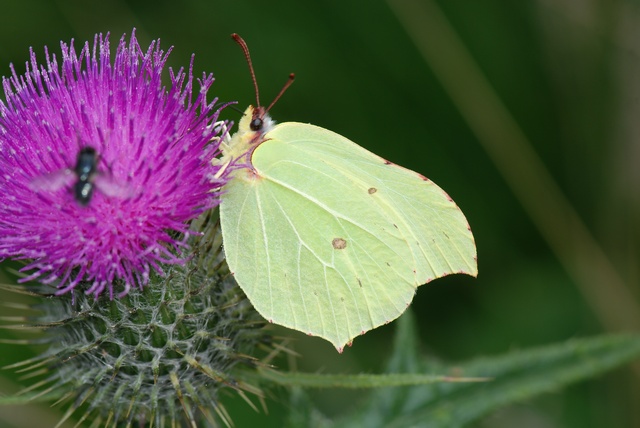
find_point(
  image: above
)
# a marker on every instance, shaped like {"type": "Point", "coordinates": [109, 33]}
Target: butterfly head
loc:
{"type": "Point", "coordinates": [256, 119]}
{"type": "Point", "coordinates": [253, 126]}
{"type": "Point", "coordinates": [255, 122]}
{"type": "Point", "coordinates": [260, 122]}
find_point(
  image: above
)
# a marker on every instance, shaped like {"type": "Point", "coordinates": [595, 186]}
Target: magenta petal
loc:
{"type": "Point", "coordinates": [154, 141]}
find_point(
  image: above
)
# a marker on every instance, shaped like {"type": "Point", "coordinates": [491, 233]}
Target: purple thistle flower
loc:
{"type": "Point", "coordinates": [153, 170]}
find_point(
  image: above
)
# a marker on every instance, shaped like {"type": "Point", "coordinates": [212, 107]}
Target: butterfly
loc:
{"type": "Point", "coordinates": [326, 237]}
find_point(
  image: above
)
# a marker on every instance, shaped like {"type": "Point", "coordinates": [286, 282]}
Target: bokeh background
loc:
{"type": "Point", "coordinates": [525, 112]}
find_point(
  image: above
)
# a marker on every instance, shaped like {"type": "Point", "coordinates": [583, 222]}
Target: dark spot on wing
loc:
{"type": "Point", "coordinates": [372, 190]}
{"type": "Point", "coordinates": [359, 282]}
{"type": "Point", "coordinates": [339, 243]}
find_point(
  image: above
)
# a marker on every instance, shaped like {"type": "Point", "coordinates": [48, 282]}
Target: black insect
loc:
{"type": "Point", "coordinates": [85, 169]}
{"type": "Point", "coordinates": [83, 178]}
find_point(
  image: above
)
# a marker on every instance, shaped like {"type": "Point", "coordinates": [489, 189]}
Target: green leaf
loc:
{"type": "Point", "coordinates": [316, 380]}
{"type": "Point", "coordinates": [438, 402]}
{"type": "Point", "coordinates": [516, 376]}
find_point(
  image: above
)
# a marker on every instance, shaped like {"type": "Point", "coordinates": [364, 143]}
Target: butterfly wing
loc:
{"type": "Point", "coordinates": [332, 240]}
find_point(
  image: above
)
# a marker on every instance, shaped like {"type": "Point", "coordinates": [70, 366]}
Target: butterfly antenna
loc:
{"type": "Point", "coordinates": [284, 88]}
{"type": "Point", "coordinates": [245, 49]}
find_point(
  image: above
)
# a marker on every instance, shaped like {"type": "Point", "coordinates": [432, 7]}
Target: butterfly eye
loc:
{"type": "Point", "coordinates": [256, 124]}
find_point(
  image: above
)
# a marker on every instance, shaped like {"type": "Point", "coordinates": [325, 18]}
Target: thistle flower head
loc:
{"type": "Point", "coordinates": [159, 356]}
{"type": "Point", "coordinates": [102, 166]}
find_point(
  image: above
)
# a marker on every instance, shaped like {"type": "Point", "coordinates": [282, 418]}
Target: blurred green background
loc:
{"type": "Point", "coordinates": [524, 112]}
